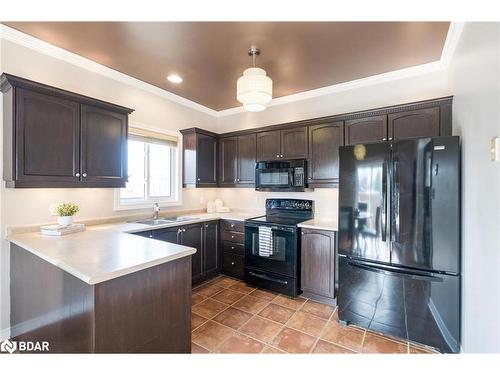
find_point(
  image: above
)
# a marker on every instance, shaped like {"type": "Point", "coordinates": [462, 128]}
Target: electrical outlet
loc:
{"type": "Point", "coordinates": [52, 209]}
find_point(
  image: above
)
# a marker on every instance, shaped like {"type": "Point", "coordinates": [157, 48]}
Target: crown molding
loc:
{"type": "Point", "coordinates": [48, 49]}
{"type": "Point", "coordinates": [451, 42]}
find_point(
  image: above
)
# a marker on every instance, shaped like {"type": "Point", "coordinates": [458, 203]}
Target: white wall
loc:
{"type": "Point", "coordinates": [31, 206]}
{"type": "Point", "coordinates": [475, 79]}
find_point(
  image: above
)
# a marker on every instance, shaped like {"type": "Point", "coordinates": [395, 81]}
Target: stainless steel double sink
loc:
{"type": "Point", "coordinates": [165, 220]}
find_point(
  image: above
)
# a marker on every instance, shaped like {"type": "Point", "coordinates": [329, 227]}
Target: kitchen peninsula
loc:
{"type": "Point", "coordinates": [100, 291]}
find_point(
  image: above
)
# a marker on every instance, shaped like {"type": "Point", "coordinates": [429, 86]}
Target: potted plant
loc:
{"type": "Point", "coordinates": [66, 212]}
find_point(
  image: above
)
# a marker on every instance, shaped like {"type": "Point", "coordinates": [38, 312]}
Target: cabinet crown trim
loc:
{"type": "Point", "coordinates": [7, 81]}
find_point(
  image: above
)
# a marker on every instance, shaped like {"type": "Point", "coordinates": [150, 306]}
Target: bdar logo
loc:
{"type": "Point", "coordinates": [8, 346]}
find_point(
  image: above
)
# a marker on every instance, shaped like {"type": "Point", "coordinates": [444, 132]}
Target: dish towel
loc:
{"type": "Point", "coordinates": [265, 242]}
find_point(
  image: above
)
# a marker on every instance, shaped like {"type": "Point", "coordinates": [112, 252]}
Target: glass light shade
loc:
{"type": "Point", "coordinates": [254, 89]}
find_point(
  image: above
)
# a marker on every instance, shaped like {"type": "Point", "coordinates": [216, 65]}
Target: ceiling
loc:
{"type": "Point", "coordinates": [210, 56]}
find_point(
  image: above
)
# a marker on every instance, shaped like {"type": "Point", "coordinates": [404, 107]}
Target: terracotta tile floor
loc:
{"type": "Point", "coordinates": [229, 316]}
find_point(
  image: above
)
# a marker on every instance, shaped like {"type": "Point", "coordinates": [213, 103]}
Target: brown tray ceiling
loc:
{"type": "Point", "coordinates": [210, 56]}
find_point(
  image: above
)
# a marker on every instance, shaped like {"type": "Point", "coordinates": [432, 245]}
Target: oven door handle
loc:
{"type": "Point", "coordinates": [268, 278]}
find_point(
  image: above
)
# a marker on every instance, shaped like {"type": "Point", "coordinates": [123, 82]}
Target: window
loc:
{"type": "Point", "coordinates": [152, 173]}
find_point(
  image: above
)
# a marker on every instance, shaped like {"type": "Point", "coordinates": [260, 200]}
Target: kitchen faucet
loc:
{"type": "Point", "coordinates": [156, 211]}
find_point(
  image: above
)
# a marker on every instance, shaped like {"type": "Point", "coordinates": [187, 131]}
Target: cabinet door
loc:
{"type": "Point", "coordinates": [47, 139]}
{"type": "Point", "coordinates": [192, 236]}
{"type": "Point", "coordinates": [211, 254]}
{"type": "Point", "coordinates": [206, 159]}
{"type": "Point", "coordinates": [104, 147]}
{"type": "Point", "coordinates": [228, 161]}
{"type": "Point", "coordinates": [366, 130]}
{"type": "Point", "coordinates": [318, 262]}
{"type": "Point", "coordinates": [268, 145]}
{"type": "Point", "coordinates": [170, 234]}
{"type": "Point", "coordinates": [294, 143]}
{"type": "Point", "coordinates": [414, 124]}
{"type": "Point", "coordinates": [246, 159]}
{"type": "Point", "coordinates": [324, 143]}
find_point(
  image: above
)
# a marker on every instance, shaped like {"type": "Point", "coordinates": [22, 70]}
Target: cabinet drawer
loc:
{"type": "Point", "coordinates": [232, 247]}
{"type": "Point", "coordinates": [233, 225]}
{"type": "Point", "coordinates": [233, 265]}
{"type": "Point", "coordinates": [233, 236]}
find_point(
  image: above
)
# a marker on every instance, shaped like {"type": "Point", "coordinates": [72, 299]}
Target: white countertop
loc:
{"type": "Point", "coordinates": [107, 251]}
{"type": "Point", "coordinates": [329, 224]}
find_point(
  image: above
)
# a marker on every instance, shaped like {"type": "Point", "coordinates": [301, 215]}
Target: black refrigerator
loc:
{"type": "Point", "coordinates": [399, 239]}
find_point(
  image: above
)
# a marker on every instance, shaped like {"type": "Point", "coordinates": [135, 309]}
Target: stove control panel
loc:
{"type": "Point", "coordinates": [289, 204]}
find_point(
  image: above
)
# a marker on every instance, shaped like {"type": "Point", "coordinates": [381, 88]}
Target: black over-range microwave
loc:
{"type": "Point", "coordinates": [283, 175]}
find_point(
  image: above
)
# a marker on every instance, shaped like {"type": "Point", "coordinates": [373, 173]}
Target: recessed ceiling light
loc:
{"type": "Point", "coordinates": [174, 78]}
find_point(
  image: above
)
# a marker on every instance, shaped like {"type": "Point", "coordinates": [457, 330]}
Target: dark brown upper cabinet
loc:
{"type": "Point", "coordinates": [199, 158]}
{"type": "Point", "coordinates": [228, 150]}
{"type": "Point", "coordinates": [282, 144]}
{"type": "Point", "coordinates": [103, 149]}
{"type": "Point", "coordinates": [56, 138]}
{"type": "Point", "coordinates": [237, 160]}
{"type": "Point", "coordinates": [269, 145]}
{"type": "Point", "coordinates": [366, 130]}
{"type": "Point", "coordinates": [246, 159]}
{"type": "Point", "coordinates": [324, 142]}
{"type": "Point", "coordinates": [294, 143]}
{"type": "Point", "coordinates": [414, 124]}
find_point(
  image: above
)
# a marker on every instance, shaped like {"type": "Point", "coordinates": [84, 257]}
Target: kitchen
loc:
{"type": "Point", "coordinates": [231, 174]}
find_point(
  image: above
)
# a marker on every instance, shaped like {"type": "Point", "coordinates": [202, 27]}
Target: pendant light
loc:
{"type": "Point", "coordinates": [254, 88]}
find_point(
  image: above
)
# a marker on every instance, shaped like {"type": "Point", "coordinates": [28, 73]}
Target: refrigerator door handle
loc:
{"type": "Point", "coordinates": [384, 202]}
{"type": "Point", "coordinates": [396, 200]}
{"type": "Point", "coordinates": [416, 275]}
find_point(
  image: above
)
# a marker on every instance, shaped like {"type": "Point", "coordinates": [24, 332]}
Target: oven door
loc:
{"type": "Point", "coordinates": [274, 179]}
{"type": "Point", "coordinates": [282, 258]}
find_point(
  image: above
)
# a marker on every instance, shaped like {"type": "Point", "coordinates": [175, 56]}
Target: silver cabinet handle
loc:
{"type": "Point", "coordinates": [151, 235]}
{"type": "Point", "coordinates": [277, 156]}
{"type": "Point", "coordinates": [390, 138]}
{"type": "Point", "coordinates": [281, 156]}
{"type": "Point", "coordinates": [232, 247]}
{"type": "Point", "coordinates": [232, 263]}
{"type": "Point", "coordinates": [199, 179]}
{"type": "Point", "coordinates": [232, 225]}
{"type": "Point", "coordinates": [84, 175]}
{"type": "Point", "coordinates": [179, 230]}
{"type": "Point", "coordinates": [384, 139]}
{"type": "Point", "coordinates": [232, 236]}
{"type": "Point", "coordinates": [206, 225]}
{"type": "Point", "coordinates": [77, 174]}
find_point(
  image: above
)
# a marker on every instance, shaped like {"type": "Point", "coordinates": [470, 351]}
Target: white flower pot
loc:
{"type": "Point", "coordinates": [65, 220]}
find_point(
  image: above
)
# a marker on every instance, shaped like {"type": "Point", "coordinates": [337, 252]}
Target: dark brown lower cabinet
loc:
{"type": "Point", "coordinates": [211, 254]}
{"type": "Point", "coordinates": [192, 236]}
{"type": "Point", "coordinates": [318, 265]}
{"type": "Point", "coordinates": [147, 311]}
{"type": "Point", "coordinates": [204, 237]}
{"type": "Point", "coordinates": [233, 248]}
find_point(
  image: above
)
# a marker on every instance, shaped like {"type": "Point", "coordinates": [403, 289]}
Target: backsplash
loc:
{"type": "Point", "coordinates": [325, 200]}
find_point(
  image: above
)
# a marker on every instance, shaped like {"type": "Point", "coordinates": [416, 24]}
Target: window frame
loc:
{"type": "Point", "coordinates": [176, 189]}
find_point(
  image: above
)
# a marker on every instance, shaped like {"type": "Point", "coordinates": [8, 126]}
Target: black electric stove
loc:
{"type": "Point", "coordinates": [272, 244]}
